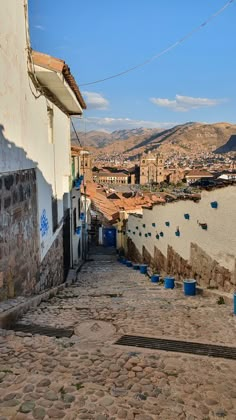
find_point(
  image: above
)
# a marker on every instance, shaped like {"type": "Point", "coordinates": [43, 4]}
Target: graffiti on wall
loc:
{"type": "Point", "coordinates": [44, 225]}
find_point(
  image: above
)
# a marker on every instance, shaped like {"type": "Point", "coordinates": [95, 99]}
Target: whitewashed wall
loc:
{"type": "Point", "coordinates": [218, 241]}
{"type": "Point", "coordinates": [24, 139]}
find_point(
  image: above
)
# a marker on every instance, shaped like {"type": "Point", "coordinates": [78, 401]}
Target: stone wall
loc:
{"type": "Point", "coordinates": [208, 272]}
{"type": "Point", "coordinates": [132, 252]}
{"type": "Point", "coordinates": [191, 239]}
{"type": "Point", "coordinates": [52, 267]}
{"type": "Point", "coordinates": [19, 242]}
{"type": "Point", "coordinates": [21, 272]}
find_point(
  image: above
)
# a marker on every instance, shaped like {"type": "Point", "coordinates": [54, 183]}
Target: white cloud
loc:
{"type": "Point", "coordinates": [112, 124]}
{"type": "Point", "coordinates": [185, 103]}
{"type": "Point", "coordinates": [95, 100]}
{"type": "Point", "coordinates": [40, 27]}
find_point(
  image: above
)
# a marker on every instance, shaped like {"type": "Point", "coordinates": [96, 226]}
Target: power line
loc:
{"type": "Point", "coordinates": [166, 50]}
{"type": "Point", "coordinates": [76, 134]}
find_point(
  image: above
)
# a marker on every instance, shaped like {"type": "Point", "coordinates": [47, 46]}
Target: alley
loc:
{"type": "Point", "coordinates": [88, 376]}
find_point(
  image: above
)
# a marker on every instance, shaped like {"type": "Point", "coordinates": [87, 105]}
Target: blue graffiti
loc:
{"type": "Point", "coordinates": [44, 226]}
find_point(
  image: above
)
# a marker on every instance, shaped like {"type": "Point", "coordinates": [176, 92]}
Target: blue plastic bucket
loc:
{"type": "Point", "coordinates": [234, 303]}
{"type": "Point", "coordinates": [143, 268]}
{"type": "Point", "coordinates": [128, 263]}
{"type": "Point", "coordinates": [169, 282]}
{"type": "Point", "coordinates": [190, 287]}
{"type": "Point", "coordinates": [136, 266]}
{"type": "Point", "coordinates": [123, 260]}
{"type": "Point", "coordinates": [155, 278]}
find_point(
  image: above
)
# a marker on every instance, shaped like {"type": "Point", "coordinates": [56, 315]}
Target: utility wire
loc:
{"type": "Point", "coordinates": [76, 134]}
{"type": "Point", "coordinates": [166, 50]}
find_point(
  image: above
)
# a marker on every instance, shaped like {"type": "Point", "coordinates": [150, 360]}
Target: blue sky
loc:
{"type": "Point", "coordinates": [193, 82]}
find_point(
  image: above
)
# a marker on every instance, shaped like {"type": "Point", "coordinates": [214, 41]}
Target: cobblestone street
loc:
{"type": "Point", "coordinates": [87, 376]}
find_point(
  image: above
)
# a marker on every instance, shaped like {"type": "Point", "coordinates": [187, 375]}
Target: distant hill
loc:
{"type": "Point", "coordinates": [183, 139]}
{"type": "Point", "coordinates": [101, 139]}
{"type": "Point", "coordinates": [230, 146]}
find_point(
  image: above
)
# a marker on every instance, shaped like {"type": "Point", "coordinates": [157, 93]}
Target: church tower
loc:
{"type": "Point", "coordinates": [151, 168]}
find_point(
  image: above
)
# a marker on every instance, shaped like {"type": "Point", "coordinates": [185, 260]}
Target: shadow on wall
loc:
{"type": "Point", "coordinates": [21, 236]}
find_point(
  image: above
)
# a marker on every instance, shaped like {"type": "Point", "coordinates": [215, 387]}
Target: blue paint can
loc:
{"type": "Point", "coordinates": [143, 268]}
{"type": "Point", "coordinates": [235, 303]}
{"type": "Point", "coordinates": [190, 287]}
{"type": "Point", "coordinates": [169, 282]}
{"type": "Point", "coordinates": [136, 266]}
{"type": "Point", "coordinates": [155, 278]}
{"type": "Point", "coordinates": [128, 263]}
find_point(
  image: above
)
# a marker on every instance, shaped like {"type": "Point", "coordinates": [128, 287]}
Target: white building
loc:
{"type": "Point", "coordinates": [38, 96]}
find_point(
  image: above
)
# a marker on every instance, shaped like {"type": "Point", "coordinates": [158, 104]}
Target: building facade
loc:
{"type": "Point", "coordinates": [151, 168]}
{"type": "Point", "coordinates": [189, 239]}
{"type": "Point", "coordinates": [38, 95]}
{"type": "Point", "coordinates": [111, 177]}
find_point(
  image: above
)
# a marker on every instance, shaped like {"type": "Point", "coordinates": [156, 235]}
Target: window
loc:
{"type": "Point", "coordinates": [50, 124]}
{"type": "Point", "coordinates": [74, 220]}
{"type": "Point", "coordinates": [79, 207]}
{"type": "Point", "coordinates": [54, 214]}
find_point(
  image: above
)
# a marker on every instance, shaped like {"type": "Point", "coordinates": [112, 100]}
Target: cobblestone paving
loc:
{"type": "Point", "coordinates": [88, 377]}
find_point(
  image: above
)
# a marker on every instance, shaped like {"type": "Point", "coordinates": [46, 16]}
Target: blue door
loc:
{"type": "Point", "coordinates": [109, 237]}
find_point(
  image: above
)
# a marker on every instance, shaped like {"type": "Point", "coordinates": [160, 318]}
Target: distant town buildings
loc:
{"type": "Point", "coordinates": [82, 163]}
{"type": "Point", "coordinates": [111, 178]}
{"type": "Point", "coordinates": [196, 175]}
{"type": "Point", "coordinates": [151, 168]}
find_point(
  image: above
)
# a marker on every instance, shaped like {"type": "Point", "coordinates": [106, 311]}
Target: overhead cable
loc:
{"type": "Point", "coordinates": [76, 134]}
{"type": "Point", "coordinates": [166, 50]}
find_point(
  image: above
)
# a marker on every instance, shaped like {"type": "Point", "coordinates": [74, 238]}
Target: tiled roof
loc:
{"type": "Point", "coordinates": [197, 173]}
{"type": "Point", "coordinates": [58, 65]}
{"type": "Point", "coordinates": [111, 174]}
{"type": "Point", "coordinates": [110, 207]}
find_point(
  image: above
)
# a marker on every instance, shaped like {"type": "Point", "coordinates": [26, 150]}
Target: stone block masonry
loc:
{"type": "Point", "coordinates": [19, 252]}
{"type": "Point", "coordinates": [52, 268]}
{"type": "Point", "coordinates": [21, 272]}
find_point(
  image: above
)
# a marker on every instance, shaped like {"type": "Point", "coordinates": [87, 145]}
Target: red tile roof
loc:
{"type": "Point", "coordinates": [199, 173]}
{"type": "Point", "coordinates": [58, 65]}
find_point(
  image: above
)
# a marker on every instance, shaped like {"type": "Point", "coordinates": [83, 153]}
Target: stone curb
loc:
{"type": "Point", "coordinates": [8, 317]}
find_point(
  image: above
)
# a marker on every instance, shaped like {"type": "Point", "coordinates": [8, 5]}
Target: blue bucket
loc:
{"type": "Point", "coordinates": [155, 278]}
{"type": "Point", "coordinates": [128, 263]}
{"type": "Point", "coordinates": [123, 260]}
{"type": "Point", "coordinates": [136, 266]}
{"type": "Point", "coordinates": [143, 268]}
{"type": "Point", "coordinates": [169, 282]}
{"type": "Point", "coordinates": [190, 287]}
{"type": "Point", "coordinates": [234, 303]}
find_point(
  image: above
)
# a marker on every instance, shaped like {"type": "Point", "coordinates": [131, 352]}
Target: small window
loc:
{"type": "Point", "coordinates": [54, 214]}
{"type": "Point", "coordinates": [50, 124]}
{"type": "Point", "coordinates": [79, 207]}
{"type": "Point", "coordinates": [74, 220]}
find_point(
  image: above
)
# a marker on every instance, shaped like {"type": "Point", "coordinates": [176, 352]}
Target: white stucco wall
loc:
{"type": "Point", "coordinates": [218, 241]}
{"type": "Point", "coordinates": [24, 139]}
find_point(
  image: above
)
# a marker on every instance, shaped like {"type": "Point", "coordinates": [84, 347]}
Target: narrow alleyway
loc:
{"type": "Point", "coordinates": [88, 376]}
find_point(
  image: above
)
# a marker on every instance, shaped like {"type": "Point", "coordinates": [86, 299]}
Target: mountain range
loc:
{"type": "Point", "coordinates": [185, 139]}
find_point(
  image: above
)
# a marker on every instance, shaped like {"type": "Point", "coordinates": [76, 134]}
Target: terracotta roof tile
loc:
{"type": "Point", "coordinates": [58, 65]}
